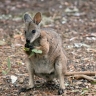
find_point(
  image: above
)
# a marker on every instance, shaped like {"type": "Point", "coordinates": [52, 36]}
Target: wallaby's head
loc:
{"type": "Point", "coordinates": [32, 28]}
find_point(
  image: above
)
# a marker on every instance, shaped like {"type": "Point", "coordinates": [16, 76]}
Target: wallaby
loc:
{"type": "Point", "coordinates": [52, 62]}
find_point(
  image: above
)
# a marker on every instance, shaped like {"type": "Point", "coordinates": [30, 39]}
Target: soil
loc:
{"type": "Point", "coordinates": [75, 20]}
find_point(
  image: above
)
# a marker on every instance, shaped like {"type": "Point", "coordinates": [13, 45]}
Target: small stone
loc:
{"type": "Point", "coordinates": [21, 80]}
{"type": "Point", "coordinates": [77, 87]}
{"type": "Point", "coordinates": [78, 83]}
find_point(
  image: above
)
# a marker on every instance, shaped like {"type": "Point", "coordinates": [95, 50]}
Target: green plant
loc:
{"type": "Point", "coordinates": [5, 72]}
{"type": "Point", "coordinates": [84, 91]}
{"type": "Point", "coordinates": [93, 82]}
{"type": "Point", "coordinates": [33, 51]}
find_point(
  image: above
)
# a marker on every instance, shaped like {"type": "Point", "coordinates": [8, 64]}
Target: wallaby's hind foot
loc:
{"type": "Point", "coordinates": [61, 91]}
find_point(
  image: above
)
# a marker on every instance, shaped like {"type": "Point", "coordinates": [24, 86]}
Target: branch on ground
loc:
{"type": "Point", "coordinates": [82, 75]}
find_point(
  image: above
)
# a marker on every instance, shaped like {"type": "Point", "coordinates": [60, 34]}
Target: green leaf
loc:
{"type": "Point", "coordinates": [85, 89]}
{"type": "Point", "coordinates": [93, 82]}
{"type": "Point", "coordinates": [31, 54]}
{"type": "Point", "coordinates": [26, 49]}
{"type": "Point", "coordinates": [83, 92]}
{"type": "Point", "coordinates": [4, 72]}
{"type": "Point", "coordinates": [37, 51]}
{"type": "Point", "coordinates": [8, 63]}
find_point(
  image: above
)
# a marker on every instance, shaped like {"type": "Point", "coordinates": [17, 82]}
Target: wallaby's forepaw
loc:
{"type": "Point", "coordinates": [60, 91]}
{"type": "Point", "coordinates": [27, 45]}
{"type": "Point", "coordinates": [24, 90]}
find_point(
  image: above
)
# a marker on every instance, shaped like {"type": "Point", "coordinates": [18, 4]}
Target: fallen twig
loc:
{"type": "Point", "coordinates": [89, 73]}
{"type": "Point", "coordinates": [84, 77]}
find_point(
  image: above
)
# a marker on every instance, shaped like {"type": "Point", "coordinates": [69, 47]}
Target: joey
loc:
{"type": "Point", "coordinates": [52, 62]}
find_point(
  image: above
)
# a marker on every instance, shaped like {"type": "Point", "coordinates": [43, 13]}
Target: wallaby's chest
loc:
{"type": "Point", "coordinates": [43, 65]}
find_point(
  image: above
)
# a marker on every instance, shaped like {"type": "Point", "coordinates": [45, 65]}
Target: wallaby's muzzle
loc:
{"type": "Point", "coordinates": [28, 44]}
{"type": "Point", "coordinates": [27, 41]}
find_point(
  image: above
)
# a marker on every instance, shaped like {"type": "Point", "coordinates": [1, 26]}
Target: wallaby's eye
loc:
{"type": "Point", "coordinates": [33, 31]}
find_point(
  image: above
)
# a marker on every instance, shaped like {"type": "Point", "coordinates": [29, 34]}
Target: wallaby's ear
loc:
{"type": "Point", "coordinates": [27, 18]}
{"type": "Point", "coordinates": [37, 18]}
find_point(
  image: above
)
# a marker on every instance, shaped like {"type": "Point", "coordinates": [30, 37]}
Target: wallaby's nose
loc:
{"type": "Point", "coordinates": [27, 41]}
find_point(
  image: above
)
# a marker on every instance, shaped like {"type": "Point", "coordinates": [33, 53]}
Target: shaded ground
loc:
{"type": "Point", "coordinates": [77, 27]}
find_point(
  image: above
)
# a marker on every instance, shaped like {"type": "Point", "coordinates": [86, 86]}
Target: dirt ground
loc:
{"type": "Point", "coordinates": [75, 20]}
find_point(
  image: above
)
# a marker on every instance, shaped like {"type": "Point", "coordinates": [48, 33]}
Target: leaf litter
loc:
{"type": "Point", "coordinates": [77, 27]}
